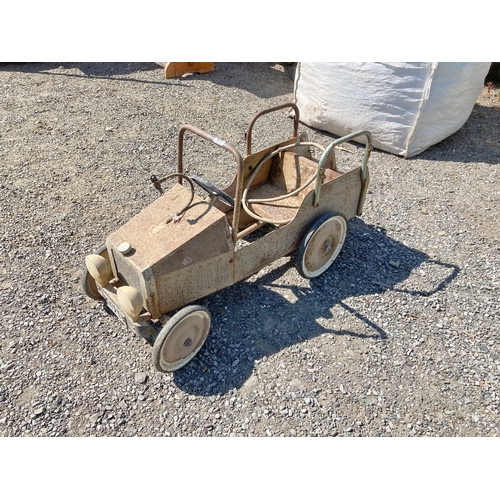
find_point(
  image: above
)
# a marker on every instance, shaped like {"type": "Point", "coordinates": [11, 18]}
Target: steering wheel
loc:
{"type": "Point", "coordinates": [213, 190]}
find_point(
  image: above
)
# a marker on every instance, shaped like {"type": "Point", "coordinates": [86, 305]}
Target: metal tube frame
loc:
{"type": "Point", "coordinates": [224, 145]}
{"type": "Point", "coordinates": [248, 134]}
{"type": "Point", "coordinates": [365, 175]}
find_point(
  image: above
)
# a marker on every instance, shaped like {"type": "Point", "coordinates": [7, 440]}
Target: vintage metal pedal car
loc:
{"type": "Point", "coordinates": [182, 248]}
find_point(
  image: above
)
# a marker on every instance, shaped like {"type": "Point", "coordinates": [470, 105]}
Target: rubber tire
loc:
{"type": "Point", "coordinates": [211, 188]}
{"type": "Point", "coordinates": [304, 246]}
{"type": "Point", "coordinates": [87, 282]}
{"type": "Point", "coordinates": [167, 331]}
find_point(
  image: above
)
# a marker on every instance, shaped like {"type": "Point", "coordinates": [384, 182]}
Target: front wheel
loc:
{"type": "Point", "coordinates": [181, 338]}
{"type": "Point", "coordinates": [321, 245]}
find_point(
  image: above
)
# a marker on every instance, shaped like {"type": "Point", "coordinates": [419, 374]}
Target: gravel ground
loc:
{"type": "Point", "coordinates": [399, 337]}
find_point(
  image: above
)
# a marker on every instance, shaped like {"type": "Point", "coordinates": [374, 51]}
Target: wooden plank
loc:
{"type": "Point", "coordinates": [177, 69]}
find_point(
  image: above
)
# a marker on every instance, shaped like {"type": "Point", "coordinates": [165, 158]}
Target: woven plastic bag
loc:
{"type": "Point", "coordinates": [406, 106]}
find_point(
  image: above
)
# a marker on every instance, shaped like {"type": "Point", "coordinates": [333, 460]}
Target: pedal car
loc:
{"type": "Point", "coordinates": [182, 247]}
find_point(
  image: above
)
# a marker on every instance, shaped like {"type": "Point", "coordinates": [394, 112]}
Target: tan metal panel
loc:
{"type": "Point", "coordinates": [339, 195]}
{"type": "Point", "coordinates": [160, 248]}
{"type": "Point", "coordinates": [198, 280]}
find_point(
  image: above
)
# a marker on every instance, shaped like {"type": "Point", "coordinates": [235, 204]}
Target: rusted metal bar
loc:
{"type": "Point", "coordinates": [248, 135]}
{"type": "Point", "coordinates": [364, 168]}
{"type": "Point", "coordinates": [251, 229]}
{"type": "Point", "coordinates": [224, 145]}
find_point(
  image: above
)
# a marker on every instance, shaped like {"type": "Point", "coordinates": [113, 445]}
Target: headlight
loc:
{"type": "Point", "coordinates": [99, 268]}
{"type": "Point", "coordinates": [130, 301]}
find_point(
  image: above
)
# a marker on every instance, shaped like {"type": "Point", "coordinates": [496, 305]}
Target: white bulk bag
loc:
{"type": "Point", "coordinates": [406, 106]}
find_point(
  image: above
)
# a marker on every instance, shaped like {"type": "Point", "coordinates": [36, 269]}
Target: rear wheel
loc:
{"type": "Point", "coordinates": [321, 245]}
{"type": "Point", "coordinates": [181, 338]}
{"type": "Point", "coordinates": [88, 283]}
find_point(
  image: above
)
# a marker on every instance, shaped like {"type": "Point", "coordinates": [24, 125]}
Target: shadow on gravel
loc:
{"type": "Point", "coordinates": [276, 316]}
{"type": "Point", "coordinates": [477, 141]}
{"type": "Point", "coordinates": [262, 79]}
{"type": "Point", "coordinates": [95, 70]}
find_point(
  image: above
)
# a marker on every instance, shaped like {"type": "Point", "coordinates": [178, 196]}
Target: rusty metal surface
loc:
{"type": "Point", "coordinates": [200, 279]}
{"type": "Point", "coordinates": [285, 176]}
{"type": "Point", "coordinates": [295, 170]}
{"type": "Point", "coordinates": [280, 210]}
{"type": "Point", "coordinates": [249, 164]}
{"type": "Point", "coordinates": [224, 145]}
{"type": "Point", "coordinates": [206, 272]}
{"type": "Point", "coordinates": [160, 248]}
{"type": "Point", "coordinates": [158, 182]}
{"type": "Point", "coordinates": [175, 262]}
{"type": "Point", "coordinates": [364, 173]}
{"type": "Point", "coordinates": [206, 276]}
{"type": "Point", "coordinates": [152, 238]}
{"type": "Point", "coordinates": [340, 195]}
{"type": "Point", "coordinates": [248, 135]}
{"type": "Point", "coordinates": [129, 271]}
